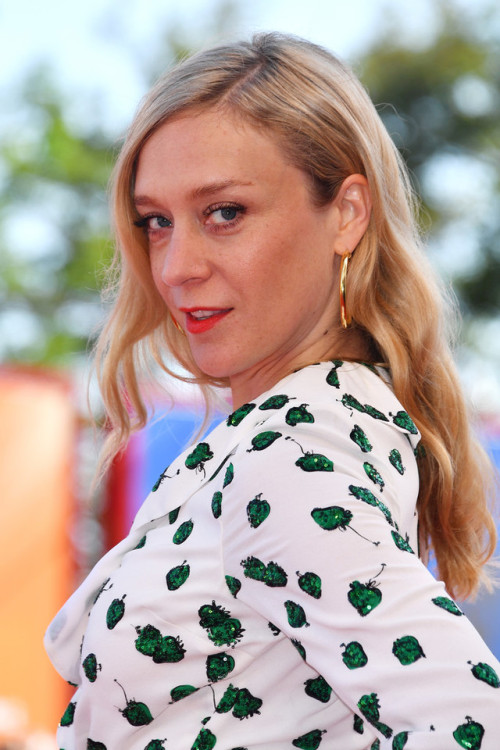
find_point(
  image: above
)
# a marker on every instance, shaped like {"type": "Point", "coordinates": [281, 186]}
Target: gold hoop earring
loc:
{"type": "Point", "coordinates": [177, 325]}
{"type": "Point", "coordinates": [345, 318]}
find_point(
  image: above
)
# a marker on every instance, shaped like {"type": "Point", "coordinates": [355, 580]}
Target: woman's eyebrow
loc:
{"type": "Point", "coordinates": [203, 190]}
{"type": "Point", "coordinates": [214, 187]}
{"type": "Point", "coordinates": [143, 200]}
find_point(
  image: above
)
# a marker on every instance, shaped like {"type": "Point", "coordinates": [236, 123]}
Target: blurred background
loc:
{"type": "Point", "coordinates": [71, 76]}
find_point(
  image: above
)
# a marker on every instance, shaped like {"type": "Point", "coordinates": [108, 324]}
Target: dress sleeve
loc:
{"type": "Point", "coordinates": [320, 528]}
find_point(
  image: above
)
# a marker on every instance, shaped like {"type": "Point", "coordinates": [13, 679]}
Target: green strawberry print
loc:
{"type": "Point", "coordinates": [318, 688]}
{"type": "Point", "coordinates": [312, 461]}
{"type": "Point", "coordinates": [181, 691]}
{"type": "Point", "coordinates": [407, 650]}
{"type": "Point", "coordinates": [177, 576]}
{"type": "Point", "coordinates": [373, 474]}
{"type": "Point", "coordinates": [359, 437]}
{"type": "Point", "coordinates": [354, 655]}
{"type": "Point", "coordinates": [183, 532]}
{"type": "Point", "coordinates": [375, 413]}
{"type": "Point", "coordinates": [309, 741]}
{"type": "Point", "coordinates": [173, 515]}
{"type": "Point", "coordinates": [227, 633]}
{"type": "Point", "coordinates": [197, 458]}
{"type": "Point", "coordinates": [402, 419]}
{"type": "Point", "coordinates": [162, 649]}
{"type": "Point", "coordinates": [91, 667]}
{"type": "Point", "coordinates": [401, 543]}
{"type": "Point", "coordinates": [470, 734]}
{"type": "Point", "coordinates": [263, 440]}
{"type": "Point", "coordinates": [358, 724]}
{"type": "Point", "coordinates": [272, 574]}
{"type": "Point", "coordinates": [228, 700]}
{"type": "Point", "coordinates": [367, 496]}
{"type": "Point", "coordinates": [396, 461]}
{"type": "Point", "coordinates": [448, 605]}
{"type": "Point", "coordinates": [237, 416]}
{"type": "Point", "coordinates": [275, 402]}
{"type": "Point", "coordinates": [310, 583]}
{"type": "Point", "coordinates": [298, 414]}
{"type": "Point", "coordinates": [333, 517]}
{"type": "Point", "coordinates": [257, 511]}
{"type": "Point", "coordinates": [212, 614]}
{"type": "Point", "coordinates": [170, 649]}
{"type": "Point", "coordinates": [246, 705]}
{"type": "Point", "coordinates": [332, 378]}
{"type": "Point", "coordinates": [364, 597]}
{"type": "Point", "coordinates": [135, 712]}
{"type": "Point", "coordinates": [205, 740]}
{"type": "Point", "coordinates": [369, 707]}
{"type": "Point", "coordinates": [336, 517]}
{"type": "Point", "coordinates": [296, 615]}
{"type": "Point", "coordinates": [399, 741]}
{"type": "Point", "coordinates": [300, 648]}
{"type": "Point", "coordinates": [228, 476]}
{"type": "Point", "coordinates": [115, 612]}
{"type": "Point", "coordinates": [68, 716]}
{"type": "Point", "coordinates": [350, 402]}
{"type": "Point", "coordinates": [217, 504]}
{"type": "Point", "coordinates": [275, 575]}
{"type": "Point", "coordinates": [233, 584]}
{"type": "Point", "coordinates": [254, 568]}
{"type": "Point", "coordinates": [485, 673]}
{"type": "Point", "coordinates": [218, 666]}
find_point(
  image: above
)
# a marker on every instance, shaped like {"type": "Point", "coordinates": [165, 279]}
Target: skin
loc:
{"type": "Point", "coordinates": [231, 226]}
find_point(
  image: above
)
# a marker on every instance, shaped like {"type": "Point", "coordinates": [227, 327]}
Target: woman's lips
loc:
{"type": "Point", "coordinates": [199, 320]}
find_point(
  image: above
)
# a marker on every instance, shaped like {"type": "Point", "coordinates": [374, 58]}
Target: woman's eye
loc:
{"type": "Point", "coordinates": [221, 215]}
{"type": "Point", "coordinates": [153, 223]}
{"type": "Point", "coordinates": [226, 214]}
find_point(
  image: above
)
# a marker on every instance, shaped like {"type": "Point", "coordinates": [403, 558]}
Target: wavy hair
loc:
{"type": "Point", "coordinates": [327, 126]}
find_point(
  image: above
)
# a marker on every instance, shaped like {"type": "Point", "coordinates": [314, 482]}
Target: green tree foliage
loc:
{"type": "Point", "coordinates": [54, 235]}
{"type": "Point", "coordinates": [441, 104]}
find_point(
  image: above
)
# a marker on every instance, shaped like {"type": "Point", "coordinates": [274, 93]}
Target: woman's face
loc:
{"type": "Point", "coordinates": [242, 258]}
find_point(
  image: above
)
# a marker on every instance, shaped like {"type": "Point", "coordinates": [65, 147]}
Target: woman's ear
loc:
{"type": "Point", "coordinates": [353, 204]}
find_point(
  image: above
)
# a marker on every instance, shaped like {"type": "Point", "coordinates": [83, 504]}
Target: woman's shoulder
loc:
{"type": "Point", "coordinates": [335, 429]}
{"type": "Point", "coordinates": [340, 393]}
{"type": "Point", "coordinates": [331, 379]}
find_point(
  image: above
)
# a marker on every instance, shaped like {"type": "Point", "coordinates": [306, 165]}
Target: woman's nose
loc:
{"type": "Point", "coordinates": [185, 258]}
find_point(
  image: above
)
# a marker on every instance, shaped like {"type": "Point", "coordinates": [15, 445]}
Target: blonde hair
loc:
{"type": "Point", "coordinates": [328, 127]}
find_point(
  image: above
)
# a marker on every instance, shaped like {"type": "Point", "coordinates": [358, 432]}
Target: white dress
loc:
{"type": "Point", "coordinates": [270, 596]}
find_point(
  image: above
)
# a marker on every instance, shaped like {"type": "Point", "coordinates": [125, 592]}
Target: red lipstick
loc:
{"type": "Point", "coordinates": [200, 325]}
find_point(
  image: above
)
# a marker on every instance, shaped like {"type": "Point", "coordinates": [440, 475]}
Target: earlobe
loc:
{"type": "Point", "coordinates": [353, 202]}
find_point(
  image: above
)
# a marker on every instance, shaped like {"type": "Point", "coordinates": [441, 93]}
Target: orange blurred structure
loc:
{"type": "Point", "coordinates": [37, 438]}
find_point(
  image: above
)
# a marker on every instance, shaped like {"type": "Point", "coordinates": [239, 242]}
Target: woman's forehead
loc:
{"type": "Point", "coordinates": [208, 150]}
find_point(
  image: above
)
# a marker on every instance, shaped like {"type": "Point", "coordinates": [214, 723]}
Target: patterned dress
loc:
{"type": "Point", "coordinates": [270, 595]}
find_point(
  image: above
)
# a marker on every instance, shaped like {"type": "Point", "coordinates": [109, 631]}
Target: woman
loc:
{"type": "Point", "coordinates": [270, 594]}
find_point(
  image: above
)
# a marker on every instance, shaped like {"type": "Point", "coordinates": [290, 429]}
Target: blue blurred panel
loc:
{"type": "Point", "coordinates": [485, 611]}
{"type": "Point", "coordinates": [158, 445]}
